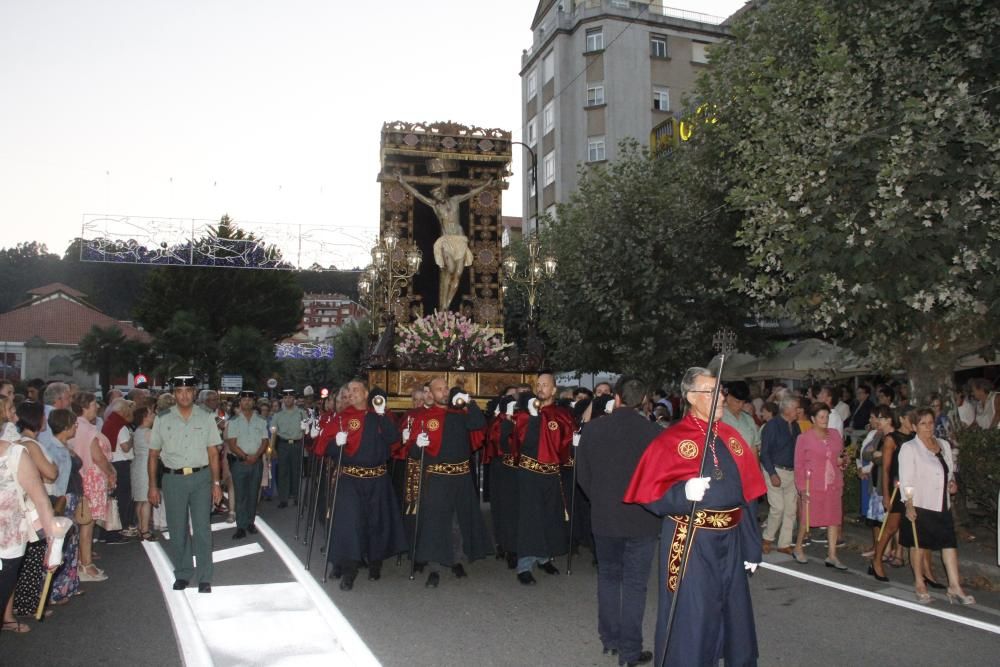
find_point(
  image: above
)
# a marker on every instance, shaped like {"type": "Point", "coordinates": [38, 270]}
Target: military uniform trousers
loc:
{"type": "Point", "coordinates": [289, 468]}
{"type": "Point", "coordinates": [183, 494]}
{"type": "Point", "coordinates": [246, 481]}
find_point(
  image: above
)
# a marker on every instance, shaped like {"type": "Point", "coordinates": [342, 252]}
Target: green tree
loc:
{"type": "Point", "coordinates": [244, 351]}
{"type": "Point", "coordinates": [107, 352]}
{"type": "Point", "coordinates": [217, 300]}
{"type": "Point", "coordinates": [350, 345]}
{"type": "Point", "coordinates": [862, 141]}
{"type": "Point", "coordinates": [185, 346]}
{"type": "Point", "coordinates": [645, 260]}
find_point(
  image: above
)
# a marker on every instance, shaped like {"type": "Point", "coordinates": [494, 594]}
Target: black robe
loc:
{"type": "Point", "coordinates": [503, 490]}
{"type": "Point", "coordinates": [446, 500]}
{"type": "Point", "coordinates": [542, 504]}
{"type": "Point", "coordinates": [367, 525]}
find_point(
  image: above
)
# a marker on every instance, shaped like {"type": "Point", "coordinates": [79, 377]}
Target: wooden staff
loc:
{"type": "Point", "coordinates": [913, 524]}
{"type": "Point", "coordinates": [40, 612]}
{"type": "Point", "coordinates": [888, 511]}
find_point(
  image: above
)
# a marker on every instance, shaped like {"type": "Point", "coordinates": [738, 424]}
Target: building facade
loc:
{"type": "Point", "coordinates": [598, 72]}
{"type": "Point", "coordinates": [323, 315]}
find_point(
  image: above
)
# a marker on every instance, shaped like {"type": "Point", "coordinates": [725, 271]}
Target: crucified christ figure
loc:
{"type": "Point", "coordinates": [451, 250]}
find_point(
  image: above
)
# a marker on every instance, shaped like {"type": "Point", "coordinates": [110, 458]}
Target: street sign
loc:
{"type": "Point", "coordinates": [233, 383]}
{"type": "Point", "coordinates": [272, 383]}
{"type": "Point", "coordinates": [140, 378]}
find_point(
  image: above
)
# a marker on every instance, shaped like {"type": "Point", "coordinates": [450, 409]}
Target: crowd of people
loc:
{"type": "Point", "coordinates": [553, 462]}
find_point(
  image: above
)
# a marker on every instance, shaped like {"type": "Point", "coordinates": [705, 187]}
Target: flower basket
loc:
{"type": "Point", "coordinates": [445, 339]}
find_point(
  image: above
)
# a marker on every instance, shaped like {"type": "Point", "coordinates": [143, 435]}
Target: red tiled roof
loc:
{"type": "Point", "coordinates": [512, 221]}
{"type": "Point", "coordinates": [52, 288]}
{"type": "Point", "coordinates": [58, 321]}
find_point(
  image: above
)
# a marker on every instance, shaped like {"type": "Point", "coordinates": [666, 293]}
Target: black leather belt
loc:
{"type": "Point", "coordinates": [183, 471]}
{"type": "Point", "coordinates": [785, 468]}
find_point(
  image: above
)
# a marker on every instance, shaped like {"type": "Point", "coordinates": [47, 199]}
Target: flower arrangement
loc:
{"type": "Point", "coordinates": [447, 338]}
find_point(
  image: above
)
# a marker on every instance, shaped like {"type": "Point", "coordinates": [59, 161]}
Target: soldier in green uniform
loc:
{"type": "Point", "coordinates": [187, 440]}
{"type": "Point", "coordinates": [246, 437]}
{"type": "Point", "coordinates": [287, 423]}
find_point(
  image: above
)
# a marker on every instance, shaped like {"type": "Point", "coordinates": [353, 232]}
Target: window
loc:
{"type": "Point", "coordinates": [548, 118]}
{"type": "Point", "coordinates": [699, 52]}
{"type": "Point", "coordinates": [595, 149]}
{"type": "Point", "coordinates": [532, 83]}
{"type": "Point", "coordinates": [531, 132]}
{"type": "Point", "coordinates": [658, 46]}
{"type": "Point", "coordinates": [620, 4]}
{"type": "Point", "coordinates": [549, 168]}
{"type": "Point", "coordinates": [548, 67]}
{"type": "Point", "coordinates": [595, 94]}
{"type": "Point", "coordinates": [661, 99]}
{"type": "Point", "coordinates": [595, 39]}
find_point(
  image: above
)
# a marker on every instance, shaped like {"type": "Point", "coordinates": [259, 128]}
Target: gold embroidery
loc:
{"type": "Point", "coordinates": [508, 460]}
{"type": "Point", "coordinates": [461, 468]}
{"type": "Point", "coordinates": [412, 485]}
{"type": "Point", "coordinates": [553, 426]}
{"type": "Point", "coordinates": [687, 449]}
{"type": "Point", "coordinates": [736, 447]}
{"type": "Point", "coordinates": [354, 424]}
{"type": "Point", "coordinates": [433, 424]}
{"type": "Point", "coordinates": [362, 472]}
{"type": "Point", "coordinates": [534, 465]}
{"type": "Point", "coordinates": [704, 519]}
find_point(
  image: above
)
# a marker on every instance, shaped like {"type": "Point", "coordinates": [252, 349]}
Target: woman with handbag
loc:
{"type": "Point", "coordinates": [98, 475]}
{"type": "Point", "coordinates": [66, 583]}
{"type": "Point", "coordinates": [31, 421]}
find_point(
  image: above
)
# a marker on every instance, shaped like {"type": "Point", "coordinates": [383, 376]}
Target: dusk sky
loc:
{"type": "Point", "coordinates": [267, 111]}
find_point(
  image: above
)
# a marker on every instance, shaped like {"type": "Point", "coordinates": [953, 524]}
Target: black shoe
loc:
{"type": "Point", "coordinates": [347, 582]}
{"type": "Point", "coordinates": [548, 568]}
{"type": "Point", "coordinates": [610, 651]}
{"type": "Point", "coordinates": [871, 571]}
{"type": "Point", "coordinates": [204, 587]}
{"type": "Point", "coordinates": [644, 658]}
{"type": "Point", "coordinates": [239, 534]}
{"type": "Point", "coordinates": [511, 560]}
{"type": "Point", "coordinates": [337, 572]}
{"type": "Point", "coordinates": [252, 529]}
{"type": "Point", "coordinates": [374, 573]}
{"type": "Point", "coordinates": [282, 505]}
{"type": "Point", "coordinates": [526, 578]}
{"type": "Point", "coordinates": [458, 571]}
{"type": "Point", "coordinates": [180, 584]}
{"type": "Point", "coordinates": [933, 584]}
{"type": "Point", "coordinates": [432, 580]}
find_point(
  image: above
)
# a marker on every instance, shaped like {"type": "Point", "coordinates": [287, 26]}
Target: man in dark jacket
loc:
{"type": "Point", "coordinates": [624, 535]}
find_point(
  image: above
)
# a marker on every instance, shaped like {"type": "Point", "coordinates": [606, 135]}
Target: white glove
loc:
{"type": "Point", "coordinates": [406, 434]}
{"type": "Point", "coordinates": [510, 408]}
{"type": "Point", "coordinates": [576, 439]}
{"type": "Point", "coordinates": [609, 407]}
{"type": "Point", "coordinates": [695, 488]}
{"type": "Point", "coordinates": [423, 440]}
{"type": "Point", "coordinates": [304, 425]}
{"type": "Point", "coordinates": [461, 399]}
{"type": "Point", "coordinates": [533, 407]}
{"type": "Point", "coordinates": [496, 410]}
{"type": "Point", "coordinates": [314, 431]}
{"type": "Point", "coordinates": [341, 438]}
{"type": "Point", "coordinates": [379, 407]}
{"type": "Point", "coordinates": [750, 567]}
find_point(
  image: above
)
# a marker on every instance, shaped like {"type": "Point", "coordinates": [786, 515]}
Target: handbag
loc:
{"type": "Point", "coordinates": [113, 520]}
{"type": "Point", "coordinates": [82, 515]}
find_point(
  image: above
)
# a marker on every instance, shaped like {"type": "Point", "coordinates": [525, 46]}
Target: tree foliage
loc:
{"type": "Point", "coordinates": [107, 352]}
{"type": "Point", "coordinates": [645, 258]}
{"type": "Point", "coordinates": [862, 141]}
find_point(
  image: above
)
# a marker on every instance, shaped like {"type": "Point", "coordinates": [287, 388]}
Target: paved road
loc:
{"type": "Point", "coordinates": [489, 619]}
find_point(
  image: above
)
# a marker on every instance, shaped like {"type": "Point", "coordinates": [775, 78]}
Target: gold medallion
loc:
{"type": "Point", "coordinates": [736, 447]}
{"type": "Point", "coordinates": [687, 449]}
{"type": "Point", "coordinates": [354, 424]}
{"type": "Point", "coordinates": [553, 426]}
{"type": "Point", "coordinates": [433, 424]}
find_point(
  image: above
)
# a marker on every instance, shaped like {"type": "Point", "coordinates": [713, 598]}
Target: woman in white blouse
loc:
{"type": "Point", "coordinates": [927, 480]}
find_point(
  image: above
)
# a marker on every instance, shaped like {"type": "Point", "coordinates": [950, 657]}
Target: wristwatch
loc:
{"type": "Point", "coordinates": [217, 483]}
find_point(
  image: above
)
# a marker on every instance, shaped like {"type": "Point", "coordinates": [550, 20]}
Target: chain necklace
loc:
{"type": "Point", "coordinates": [717, 471]}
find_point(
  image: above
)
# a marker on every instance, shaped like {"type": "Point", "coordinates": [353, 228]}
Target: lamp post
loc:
{"type": "Point", "coordinates": [538, 270]}
{"type": "Point", "coordinates": [394, 263]}
{"type": "Point", "coordinates": [534, 180]}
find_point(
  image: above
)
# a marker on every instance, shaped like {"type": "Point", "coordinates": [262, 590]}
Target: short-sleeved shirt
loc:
{"type": "Point", "coordinates": [248, 433]}
{"type": "Point", "coordinates": [745, 425]}
{"type": "Point", "coordinates": [289, 423]}
{"type": "Point", "coordinates": [183, 444]}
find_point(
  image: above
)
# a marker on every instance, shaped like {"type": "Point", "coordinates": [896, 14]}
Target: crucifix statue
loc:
{"type": "Point", "coordinates": [451, 249]}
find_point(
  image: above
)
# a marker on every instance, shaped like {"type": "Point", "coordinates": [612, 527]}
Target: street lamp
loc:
{"type": "Point", "coordinates": [538, 270]}
{"type": "Point", "coordinates": [534, 179]}
{"type": "Point", "coordinates": [394, 263]}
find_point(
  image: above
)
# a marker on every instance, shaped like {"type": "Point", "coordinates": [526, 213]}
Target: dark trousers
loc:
{"type": "Point", "coordinates": [9, 568]}
{"type": "Point", "coordinates": [289, 469]}
{"type": "Point", "coordinates": [123, 491]}
{"type": "Point", "coordinates": [246, 484]}
{"type": "Point", "coordinates": [623, 565]}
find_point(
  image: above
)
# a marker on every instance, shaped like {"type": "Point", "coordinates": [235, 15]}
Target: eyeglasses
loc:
{"type": "Point", "coordinates": [702, 391]}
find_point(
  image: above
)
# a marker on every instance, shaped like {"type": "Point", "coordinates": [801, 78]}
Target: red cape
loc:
{"type": "Point", "coordinates": [675, 456]}
{"type": "Point", "coordinates": [555, 433]}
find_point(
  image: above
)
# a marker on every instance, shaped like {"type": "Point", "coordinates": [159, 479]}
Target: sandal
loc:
{"type": "Point", "coordinates": [148, 536]}
{"type": "Point", "coordinates": [16, 627]}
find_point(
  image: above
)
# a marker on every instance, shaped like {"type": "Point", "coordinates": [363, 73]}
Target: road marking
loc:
{"type": "Point", "coordinates": [293, 623]}
{"type": "Point", "coordinates": [881, 597]}
{"type": "Point", "coordinates": [221, 525]}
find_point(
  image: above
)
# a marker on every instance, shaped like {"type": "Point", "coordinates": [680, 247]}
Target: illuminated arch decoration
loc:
{"type": "Point", "coordinates": [193, 242]}
{"type": "Point", "coordinates": [304, 350]}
